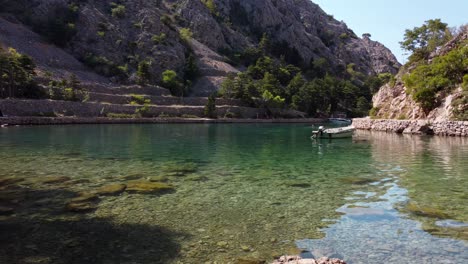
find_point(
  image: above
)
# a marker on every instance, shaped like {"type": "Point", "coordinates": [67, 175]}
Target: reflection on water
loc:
{"type": "Point", "coordinates": [251, 191]}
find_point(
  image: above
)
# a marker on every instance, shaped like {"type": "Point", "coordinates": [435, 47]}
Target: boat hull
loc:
{"type": "Point", "coordinates": [331, 133]}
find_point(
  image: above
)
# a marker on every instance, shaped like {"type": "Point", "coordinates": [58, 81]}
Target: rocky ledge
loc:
{"type": "Point", "coordinates": [299, 260]}
{"type": "Point", "coordinates": [417, 127]}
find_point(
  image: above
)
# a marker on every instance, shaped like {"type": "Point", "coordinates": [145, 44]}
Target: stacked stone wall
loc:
{"type": "Point", "coordinates": [441, 128]}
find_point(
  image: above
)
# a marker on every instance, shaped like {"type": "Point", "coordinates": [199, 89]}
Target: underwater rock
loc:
{"type": "Point", "coordinates": [300, 185]}
{"type": "Point", "coordinates": [196, 178]}
{"type": "Point", "coordinates": [56, 179]}
{"type": "Point", "coordinates": [357, 180]}
{"type": "Point", "coordinates": [178, 169]}
{"type": "Point", "coordinates": [148, 187]}
{"type": "Point", "coordinates": [159, 178]}
{"type": "Point", "coordinates": [133, 177]}
{"type": "Point", "coordinates": [85, 197]}
{"type": "Point", "coordinates": [426, 211]}
{"type": "Point", "coordinates": [80, 207]}
{"type": "Point", "coordinates": [6, 210]}
{"type": "Point", "coordinates": [9, 181]}
{"type": "Point", "coordinates": [112, 189]}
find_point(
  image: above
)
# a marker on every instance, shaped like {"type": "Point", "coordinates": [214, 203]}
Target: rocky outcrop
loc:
{"type": "Point", "coordinates": [382, 58]}
{"type": "Point", "coordinates": [415, 127]}
{"type": "Point", "coordinates": [149, 30]}
{"type": "Point", "coordinates": [393, 101]}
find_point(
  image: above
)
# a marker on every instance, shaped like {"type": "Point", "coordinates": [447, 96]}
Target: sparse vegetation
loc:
{"type": "Point", "coordinates": [118, 11]}
{"type": "Point", "coordinates": [143, 72]}
{"type": "Point", "coordinates": [210, 107]}
{"type": "Point", "coordinates": [185, 34]}
{"type": "Point", "coordinates": [67, 90]}
{"type": "Point", "coordinates": [170, 81]}
{"type": "Point", "coordinates": [159, 39]}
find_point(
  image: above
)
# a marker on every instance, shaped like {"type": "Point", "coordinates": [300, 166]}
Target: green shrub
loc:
{"type": "Point", "coordinates": [159, 39]}
{"type": "Point", "coordinates": [139, 99]}
{"type": "Point", "coordinates": [170, 81]}
{"type": "Point", "coordinates": [143, 111]}
{"type": "Point", "coordinates": [118, 11]}
{"type": "Point", "coordinates": [344, 36]}
{"type": "Point", "coordinates": [210, 107]}
{"type": "Point", "coordinates": [185, 34]}
{"type": "Point", "coordinates": [373, 112]}
{"type": "Point", "coordinates": [143, 72]}
{"type": "Point", "coordinates": [210, 4]}
{"type": "Point", "coordinates": [465, 82]}
{"type": "Point", "coordinates": [166, 20]}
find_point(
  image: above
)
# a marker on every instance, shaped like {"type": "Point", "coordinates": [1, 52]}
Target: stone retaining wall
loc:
{"type": "Point", "coordinates": [163, 100]}
{"type": "Point", "coordinates": [13, 121]}
{"type": "Point", "coordinates": [419, 127]}
{"type": "Point", "coordinates": [16, 107]}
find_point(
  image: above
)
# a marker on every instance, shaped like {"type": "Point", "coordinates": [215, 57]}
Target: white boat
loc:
{"type": "Point", "coordinates": [340, 121]}
{"type": "Point", "coordinates": [330, 133]}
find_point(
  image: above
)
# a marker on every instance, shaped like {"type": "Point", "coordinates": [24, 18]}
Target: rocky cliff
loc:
{"type": "Point", "coordinates": [113, 37]}
{"type": "Point", "coordinates": [394, 101]}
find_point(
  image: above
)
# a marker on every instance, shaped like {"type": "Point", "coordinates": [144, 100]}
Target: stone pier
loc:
{"type": "Point", "coordinates": [417, 127]}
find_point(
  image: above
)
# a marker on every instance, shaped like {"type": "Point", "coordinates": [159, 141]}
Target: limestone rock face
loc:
{"type": "Point", "coordinates": [393, 102]}
{"type": "Point", "coordinates": [149, 30]}
{"type": "Point", "coordinates": [382, 58]}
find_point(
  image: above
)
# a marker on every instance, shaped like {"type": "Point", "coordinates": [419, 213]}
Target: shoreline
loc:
{"type": "Point", "coordinates": [414, 127]}
{"type": "Point", "coordinates": [41, 121]}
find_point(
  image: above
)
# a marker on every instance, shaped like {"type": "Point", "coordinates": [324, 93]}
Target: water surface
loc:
{"type": "Point", "coordinates": [254, 191]}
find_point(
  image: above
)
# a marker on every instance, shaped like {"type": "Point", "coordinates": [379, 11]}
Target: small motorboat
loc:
{"type": "Point", "coordinates": [330, 133]}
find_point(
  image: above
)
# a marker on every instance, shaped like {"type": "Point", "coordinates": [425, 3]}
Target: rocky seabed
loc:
{"type": "Point", "coordinates": [417, 127]}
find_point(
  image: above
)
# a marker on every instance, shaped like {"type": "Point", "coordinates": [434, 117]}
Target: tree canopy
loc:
{"type": "Point", "coordinates": [421, 41]}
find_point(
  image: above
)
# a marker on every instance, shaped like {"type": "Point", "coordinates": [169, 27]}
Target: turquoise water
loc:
{"type": "Point", "coordinates": [239, 191]}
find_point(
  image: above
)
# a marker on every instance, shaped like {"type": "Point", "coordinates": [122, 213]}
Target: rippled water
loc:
{"type": "Point", "coordinates": [254, 191]}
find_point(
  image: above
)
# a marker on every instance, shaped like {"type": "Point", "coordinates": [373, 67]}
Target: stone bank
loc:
{"type": "Point", "coordinates": [418, 127]}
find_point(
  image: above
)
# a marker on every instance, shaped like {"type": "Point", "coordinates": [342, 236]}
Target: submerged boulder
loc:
{"type": "Point", "coordinates": [85, 197]}
{"type": "Point", "coordinates": [56, 179]}
{"type": "Point", "coordinates": [112, 189]}
{"type": "Point", "coordinates": [148, 187]}
{"type": "Point", "coordinates": [80, 207]}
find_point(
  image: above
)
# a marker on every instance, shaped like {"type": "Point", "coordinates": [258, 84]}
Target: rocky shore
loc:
{"type": "Point", "coordinates": [416, 127]}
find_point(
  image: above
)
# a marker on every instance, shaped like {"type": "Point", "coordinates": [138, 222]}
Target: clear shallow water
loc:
{"type": "Point", "coordinates": [240, 191]}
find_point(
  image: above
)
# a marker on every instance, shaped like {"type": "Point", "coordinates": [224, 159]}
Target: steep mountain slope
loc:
{"type": "Point", "coordinates": [394, 100]}
{"type": "Point", "coordinates": [114, 37]}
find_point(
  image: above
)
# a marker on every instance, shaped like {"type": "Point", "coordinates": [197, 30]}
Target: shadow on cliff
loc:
{"type": "Point", "coordinates": [47, 234]}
